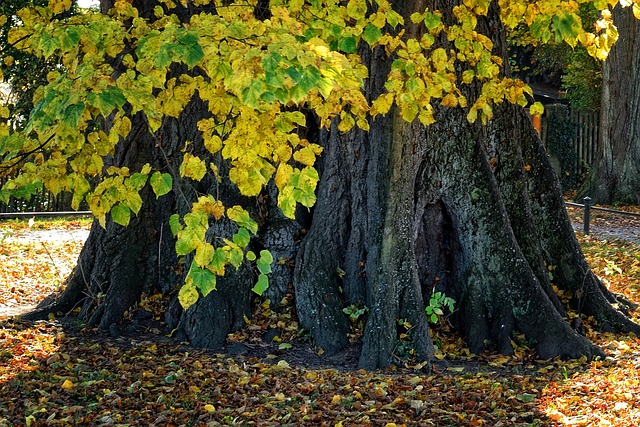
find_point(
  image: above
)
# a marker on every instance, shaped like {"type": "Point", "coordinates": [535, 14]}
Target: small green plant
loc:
{"type": "Point", "coordinates": [611, 268]}
{"type": "Point", "coordinates": [354, 312]}
{"type": "Point", "coordinates": [437, 303]}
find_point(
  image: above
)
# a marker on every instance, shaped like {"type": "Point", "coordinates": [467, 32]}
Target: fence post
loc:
{"type": "Point", "coordinates": [587, 214]}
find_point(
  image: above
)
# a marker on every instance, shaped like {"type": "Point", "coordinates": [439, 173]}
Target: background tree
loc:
{"type": "Point", "coordinates": [431, 176]}
{"type": "Point", "coordinates": [23, 72]}
{"type": "Point", "coordinates": [576, 73]}
{"type": "Point", "coordinates": [614, 175]}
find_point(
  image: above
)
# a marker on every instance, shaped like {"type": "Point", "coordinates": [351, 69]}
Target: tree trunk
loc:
{"type": "Point", "coordinates": [615, 173]}
{"type": "Point", "coordinates": [473, 211]}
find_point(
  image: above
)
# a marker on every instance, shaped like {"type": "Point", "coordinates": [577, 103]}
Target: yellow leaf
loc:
{"type": "Point", "coordinates": [306, 156]}
{"type": "Point", "coordinates": [67, 385]}
{"type": "Point", "coordinates": [283, 152]}
{"type": "Point", "coordinates": [283, 175]}
{"type": "Point", "coordinates": [209, 408]}
{"type": "Point", "coordinates": [194, 389]}
{"type": "Point", "coordinates": [187, 296]}
{"type": "Point", "coordinates": [536, 109]}
{"type": "Point", "coordinates": [283, 364]}
{"type": "Point", "coordinates": [279, 397]}
{"type": "Point", "coordinates": [204, 254]}
{"type": "Point", "coordinates": [213, 143]}
{"type": "Point", "coordinates": [336, 399]}
{"type": "Point", "coordinates": [382, 104]}
{"type": "Point", "coordinates": [193, 167]}
{"type": "Point", "coordinates": [59, 6]}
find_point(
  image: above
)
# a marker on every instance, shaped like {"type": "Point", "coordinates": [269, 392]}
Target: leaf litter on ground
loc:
{"type": "Point", "coordinates": [58, 372]}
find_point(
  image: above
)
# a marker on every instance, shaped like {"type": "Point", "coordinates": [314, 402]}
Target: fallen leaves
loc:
{"type": "Point", "coordinates": [56, 374]}
{"type": "Point", "coordinates": [36, 259]}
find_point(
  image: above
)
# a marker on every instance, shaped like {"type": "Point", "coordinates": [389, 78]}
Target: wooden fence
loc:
{"type": "Point", "coordinates": [42, 201]}
{"type": "Point", "coordinates": [585, 142]}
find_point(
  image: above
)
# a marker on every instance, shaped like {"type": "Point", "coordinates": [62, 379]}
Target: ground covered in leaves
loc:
{"type": "Point", "coordinates": [56, 372]}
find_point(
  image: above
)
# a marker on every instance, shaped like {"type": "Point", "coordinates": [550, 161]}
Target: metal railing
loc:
{"type": "Point", "coordinates": [588, 208]}
{"type": "Point", "coordinates": [15, 215]}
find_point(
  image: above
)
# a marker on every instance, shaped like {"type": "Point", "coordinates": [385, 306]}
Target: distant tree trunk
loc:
{"type": "Point", "coordinates": [615, 173]}
{"type": "Point", "coordinates": [473, 211]}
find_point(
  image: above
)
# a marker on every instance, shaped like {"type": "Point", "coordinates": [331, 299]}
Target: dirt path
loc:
{"type": "Point", "coordinates": [34, 263]}
{"type": "Point", "coordinates": [605, 225]}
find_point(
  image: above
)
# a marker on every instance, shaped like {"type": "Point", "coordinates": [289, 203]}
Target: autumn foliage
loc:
{"type": "Point", "coordinates": [254, 76]}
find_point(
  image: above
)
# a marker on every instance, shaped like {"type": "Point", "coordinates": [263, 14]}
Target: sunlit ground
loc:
{"type": "Point", "coordinates": [53, 377]}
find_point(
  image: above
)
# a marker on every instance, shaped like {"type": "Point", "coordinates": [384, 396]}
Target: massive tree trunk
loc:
{"type": "Point", "coordinates": [615, 173]}
{"type": "Point", "coordinates": [469, 210]}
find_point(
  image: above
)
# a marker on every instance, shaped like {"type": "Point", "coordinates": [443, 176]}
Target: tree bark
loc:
{"type": "Point", "coordinates": [473, 211]}
{"type": "Point", "coordinates": [615, 173]}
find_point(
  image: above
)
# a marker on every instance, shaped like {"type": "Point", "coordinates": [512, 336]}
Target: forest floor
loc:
{"type": "Point", "coordinates": [57, 372]}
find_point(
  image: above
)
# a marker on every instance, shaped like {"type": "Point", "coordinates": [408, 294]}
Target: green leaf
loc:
{"type": "Point", "coordinates": [192, 55]}
{"type": "Point", "coordinates": [242, 237]}
{"type": "Point", "coordinates": [107, 100]}
{"type": "Point", "coordinates": [347, 44]}
{"type": "Point", "coordinates": [202, 279]}
{"type": "Point", "coordinates": [251, 256]}
{"type": "Point", "coordinates": [264, 262]}
{"type": "Point", "coordinates": [251, 94]}
{"type": "Point", "coordinates": [161, 183]}
{"type": "Point", "coordinates": [371, 34]}
{"type": "Point", "coordinates": [72, 114]}
{"type": "Point", "coordinates": [310, 78]}
{"type": "Point", "coordinates": [48, 44]}
{"type": "Point", "coordinates": [138, 180]}
{"type": "Point", "coordinates": [174, 224]}
{"type": "Point", "coordinates": [261, 285]}
{"type": "Point", "coordinates": [567, 26]}
{"type": "Point", "coordinates": [188, 38]}
{"type": "Point", "coordinates": [242, 218]}
{"type": "Point", "coordinates": [188, 295]}
{"type": "Point", "coordinates": [188, 240]}
{"type": "Point", "coordinates": [540, 28]}
{"type": "Point", "coordinates": [121, 214]}
{"type": "Point", "coordinates": [236, 256]}
{"type": "Point", "coordinates": [218, 262]}
{"type": "Point", "coordinates": [164, 57]}
{"type": "Point", "coordinates": [133, 201]}
{"type": "Point", "coordinates": [69, 39]}
{"type": "Point", "coordinates": [432, 20]}
{"type": "Point", "coordinates": [525, 397]}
